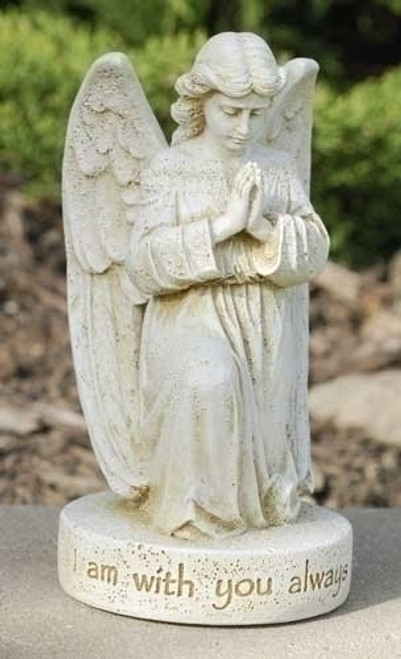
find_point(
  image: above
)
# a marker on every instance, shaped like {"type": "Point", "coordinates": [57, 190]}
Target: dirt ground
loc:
{"type": "Point", "coordinates": [45, 456]}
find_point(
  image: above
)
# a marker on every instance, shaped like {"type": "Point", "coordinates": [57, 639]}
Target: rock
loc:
{"type": "Point", "coordinates": [54, 415]}
{"type": "Point", "coordinates": [395, 275]}
{"type": "Point", "coordinates": [18, 421]}
{"type": "Point", "coordinates": [342, 284]}
{"type": "Point", "coordinates": [370, 403]}
{"type": "Point", "coordinates": [380, 343]}
{"type": "Point", "coordinates": [7, 363]}
{"type": "Point", "coordinates": [381, 327]}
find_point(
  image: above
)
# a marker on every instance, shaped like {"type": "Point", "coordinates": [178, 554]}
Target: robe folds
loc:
{"type": "Point", "coordinates": [223, 358]}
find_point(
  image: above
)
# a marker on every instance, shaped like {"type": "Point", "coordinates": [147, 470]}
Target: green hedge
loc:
{"type": "Point", "coordinates": [43, 59]}
{"type": "Point", "coordinates": [357, 168]}
{"type": "Point", "coordinates": [357, 144]}
{"type": "Point", "coordinates": [41, 62]}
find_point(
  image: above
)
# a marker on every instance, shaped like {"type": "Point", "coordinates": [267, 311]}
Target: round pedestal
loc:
{"type": "Point", "coordinates": [110, 558]}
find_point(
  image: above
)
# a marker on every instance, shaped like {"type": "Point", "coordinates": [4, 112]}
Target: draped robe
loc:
{"type": "Point", "coordinates": [223, 357]}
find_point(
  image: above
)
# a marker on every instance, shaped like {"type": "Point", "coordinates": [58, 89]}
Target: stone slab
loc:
{"type": "Point", "coordinates": [367, 402]}
{"type": "Point", "coordinates": [110, 557]}
{"type": "Point", "coordinates": [39, 621]}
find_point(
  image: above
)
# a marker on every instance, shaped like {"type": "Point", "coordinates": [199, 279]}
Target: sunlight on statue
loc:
{"type": "Point", "coordinates": [188, 271]}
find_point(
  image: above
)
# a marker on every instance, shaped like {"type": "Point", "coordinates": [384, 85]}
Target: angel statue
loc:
{"type": "Point", "coordinates": [188, 268]}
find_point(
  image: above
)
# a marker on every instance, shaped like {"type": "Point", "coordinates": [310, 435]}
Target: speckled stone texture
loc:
{"type": "Point", "coordinates": [38, 621]}
{"type": "Point", "coordinates": [188, 268]}
{"type": "Point", "coordinates": [110, 558]}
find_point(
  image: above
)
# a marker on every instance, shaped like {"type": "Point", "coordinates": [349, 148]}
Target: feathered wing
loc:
{"type": "Point", "coordinates": [112, 133]}
{"type": "Point", "coordinates": [290, 122]}
{"type": "Point", "coordinates": [289, 129]}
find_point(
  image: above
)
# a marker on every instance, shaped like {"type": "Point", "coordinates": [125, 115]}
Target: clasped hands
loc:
{"type": "Point", "coordinates": [244, 207]}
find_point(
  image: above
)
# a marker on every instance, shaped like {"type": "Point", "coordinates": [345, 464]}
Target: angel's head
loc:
{"type": "Point", "coordinates": [232, 71]}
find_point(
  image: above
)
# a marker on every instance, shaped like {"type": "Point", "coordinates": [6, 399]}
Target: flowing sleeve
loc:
{"type": "Point", "coordinates": [297, 246]}
{"type": "Point", "coordinates": [301, 247]}
{"type": "Point", "coordinates": [165, 256]}
{"type": "Point", "coordinates": [167, 253]}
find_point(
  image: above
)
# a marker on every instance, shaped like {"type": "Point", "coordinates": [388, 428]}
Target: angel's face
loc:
{"type": "Point", "coordinates": [235, 122]}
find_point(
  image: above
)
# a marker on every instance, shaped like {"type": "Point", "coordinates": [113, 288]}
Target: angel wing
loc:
{"type": "Point", "coordinates": [112, 133]}
{"type": "Point", "coordinates": [290, 123]}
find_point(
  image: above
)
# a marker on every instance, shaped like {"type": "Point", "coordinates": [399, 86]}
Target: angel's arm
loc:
{"type": "Point", "coordinates": [297, 247]}
{"type": "Point", "coordinates": [302, 238]}
{"type": "Point", "coordinates": [166, 253]}
{"type": "Point", "coordinates": [292, 243]}
{"type": "Point", "coordinates": [165, 256]}
{"type": "Point", "coordinates": [302, 242]}
{"type": "Point", "coordinates": [171, 258]}
{"type": "Point", "coordinates": [300, 250]}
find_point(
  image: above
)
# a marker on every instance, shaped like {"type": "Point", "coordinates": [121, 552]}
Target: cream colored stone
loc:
{"type": "Point", "coordinates": [188, 268]}
{"type": "Point", "coordinates": [111, 559]}
{"type": "Point", "coordinates": [39, 621]}
{"type": "Point", "coordinates": [187, 276]}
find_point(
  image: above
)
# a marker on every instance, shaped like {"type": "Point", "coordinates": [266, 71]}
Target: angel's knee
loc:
{"type": "Point", "coordinates": [211, 373]}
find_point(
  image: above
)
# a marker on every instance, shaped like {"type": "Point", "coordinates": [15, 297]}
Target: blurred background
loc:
{"type": "Point", "coordinates": [46, 47]}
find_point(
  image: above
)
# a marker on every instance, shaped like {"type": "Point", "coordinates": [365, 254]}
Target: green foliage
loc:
{"type": "Point", "coordinates": [357, 168]}
{"type": "Point", "coordinates": [42, 61]}
{"type": "Point", "coordinates": [134, 21]}
{"type": "Point", "coordinates": [139, 20]}
{"type": "Point", "coordinates": [357, 145]}
{"type": "Point", "coordinates": [350, 39]}
{"type": "Point", "coordinates": [159, 64]}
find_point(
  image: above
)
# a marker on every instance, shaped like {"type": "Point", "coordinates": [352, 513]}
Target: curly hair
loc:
{"type": "Point", "coordinates": [233, 63]}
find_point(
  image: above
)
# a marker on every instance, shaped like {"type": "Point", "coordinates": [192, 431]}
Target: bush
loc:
{"type": "Point", "coordinates": [355, 184]}
{"type": "Point", "coordinates": [134, 21]}
{"type": "Point", "coordinates": [43, 59]}
{"type": "Point", "coordinates": [41, 62]}
{"type": "Point", "coordinates": [159, 63]}
{"type": "Point", "coordinates": [357, 168]}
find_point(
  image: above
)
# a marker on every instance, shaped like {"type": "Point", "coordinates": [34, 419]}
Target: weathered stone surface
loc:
{"type": "Point", "coordinates": [366, 402]}
{"type": "Point", "coordinates": [175, 253]}
{"type": "Point", "coordinates": [38, 621]}
{"type": "Point", "coordinates": [110, 557]}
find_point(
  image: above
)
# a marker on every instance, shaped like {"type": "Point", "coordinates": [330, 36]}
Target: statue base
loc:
{"type": "Point", "coordinates": [110, 558]}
